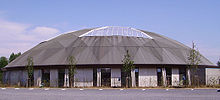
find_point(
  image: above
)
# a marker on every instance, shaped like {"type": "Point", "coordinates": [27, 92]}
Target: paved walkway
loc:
{"type": "Point", "coordinates": [107, 94]}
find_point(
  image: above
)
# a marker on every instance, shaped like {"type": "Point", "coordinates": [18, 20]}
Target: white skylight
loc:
{"type": "Point", "coordinates": [116, 31]}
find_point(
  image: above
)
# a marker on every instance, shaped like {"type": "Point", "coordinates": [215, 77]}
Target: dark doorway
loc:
{"type": "Point", "coordinates": [31, 80]}
{"type": "Point", "coordinates": [61, 74]}
{"type": "Point", "coordinates": [106, 77]}
{"type": "Point", "coordinates": [219, 81]}
{"type": "Point", "coordinates": [136, 76]}
{"type": "Point", "coordinates": [182, 73]}
{"type": "Point", "coordinates": [159, 77]}
{"type": "Point", "coordinates": [169, 76]}
{"type": "Point", "coordinates": [123, 79]}
{"type": "Point", "coordinates": [45, 77]}
{"type": "Point", "coordinates": [94, 76]}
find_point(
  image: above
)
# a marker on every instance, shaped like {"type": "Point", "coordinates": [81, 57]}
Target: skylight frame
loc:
{"type": "Point", "coordinates": [116, 30]}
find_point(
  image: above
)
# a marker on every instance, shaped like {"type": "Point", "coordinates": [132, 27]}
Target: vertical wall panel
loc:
{"type": "Point", "coordinates": [115, 77]}
{"type": "Point", "coordinates": [164, 77]}
{"type": "Point", "coordinates": [53, 78]}
{"type": "Point", "coordinates": [188, 76]}
{"type": "Point", "coordinates": [133, 80]}
{"type": "Point", "coordinates": [147, 77]}
{"type": "Point", "coordinates": [14, 77]}
{"type": "Point", "coordinates": [175, 76]}
{"type": "Point", "coordinates": [83, 77]}
{"type": "Point", "coordinates": [37, 77]}
{"type": "Point", "coordinates": [24, 78]}
{"type": "Point", "coordinates": [99, 77]}
{"type": "Point", "coordinates": [66, 78]}
{"type": "Point", "coordinates": [212, 76]}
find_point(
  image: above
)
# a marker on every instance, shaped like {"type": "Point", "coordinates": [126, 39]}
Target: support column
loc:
{"type": "Point", "coordinates": [115, 77]}
{"type": "Point", "coordinates": [189, 76]}
{"type": "Point", "coordinates": [53, 78]}
{"type": "Point", "coordinates": [175, 77]}
{"type": "Point", "coordinates": [133, 79]}
{"type": "Point", "coordinates": [99, 77]}
{"type": "Point", "coordinates": [66, 78]}
{"type": "Point", "coordinates": [164, 77]}
{"type": "Point", "coordinates": [37, 77]}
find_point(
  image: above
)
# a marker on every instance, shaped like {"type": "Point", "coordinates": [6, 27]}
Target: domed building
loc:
{"type": "Point", "coordinates": [99, 52]}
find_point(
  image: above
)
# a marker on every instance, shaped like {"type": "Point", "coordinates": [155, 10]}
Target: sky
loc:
{"type": "Point", "coordinates": [25, 23]}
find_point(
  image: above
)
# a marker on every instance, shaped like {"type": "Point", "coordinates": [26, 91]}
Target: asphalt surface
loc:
{"type": "Point", "coordinates": [107, 94]}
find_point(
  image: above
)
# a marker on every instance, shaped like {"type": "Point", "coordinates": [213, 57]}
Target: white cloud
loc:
{"type": "Point", "coordinates": [12, 27]}
{"type": "Point", "coordinates": [45, 31]}
{"type": "Point", "coordinates": [19, 37]}
{"type": "Point", "coordinates": [8, 48]}
{"type": "Point", "coordinates": [10, 30]}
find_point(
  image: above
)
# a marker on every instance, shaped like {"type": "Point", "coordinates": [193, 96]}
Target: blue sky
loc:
{"type": "Point", "coordinates": [25, 23]}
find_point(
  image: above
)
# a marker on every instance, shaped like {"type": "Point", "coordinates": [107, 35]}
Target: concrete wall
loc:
{"type": "Point", "coordinates": [53, 78]}
{"type": "Point", "coordinates": [115, 77]}
{"type": "Point", "coordinates": [147, 77]}
{"type": "Point", "coordinates": [175, 76]}
{"type": "Point", "coordinates": [37, 77]}
{"type": "Point", "coordinates": [212, 76]}
{"type": "Point", "coordinates": [83, 77]}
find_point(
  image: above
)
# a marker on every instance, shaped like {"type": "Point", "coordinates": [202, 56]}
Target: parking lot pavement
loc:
{"type": "Point", "coordinates": [107, 94]}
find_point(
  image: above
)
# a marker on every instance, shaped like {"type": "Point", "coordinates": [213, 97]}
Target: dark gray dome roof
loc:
{"type": "Point", "coordinates": [107, 49]}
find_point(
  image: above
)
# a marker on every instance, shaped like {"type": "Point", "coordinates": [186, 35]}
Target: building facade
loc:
{"type": "Point", "coordinates": [158, 60]}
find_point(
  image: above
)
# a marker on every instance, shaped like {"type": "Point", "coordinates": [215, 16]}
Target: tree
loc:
{"type": "Point", "coordinates": [218, 63]}
{"type": "Point", "coordinates": [193, 61]}
{"type": "Point", "coordinates": [128, 66]}
{"type": "Point", "coordinates": [14, 56]}
{"type": "Point", "coordinates": [30, 70]}
{"type": "Point", "coordinates": [72, 69]}
{"type": "Point", "coordinates": [3, 63]}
